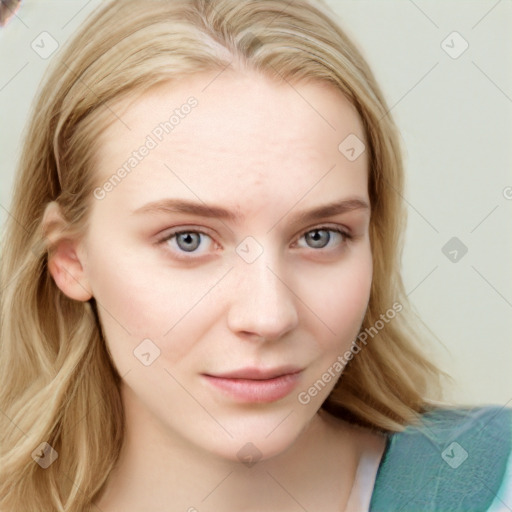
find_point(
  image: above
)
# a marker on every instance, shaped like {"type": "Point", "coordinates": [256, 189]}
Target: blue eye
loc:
{"type": "Point", "coordinates": [189, 241]}
{"type": "Point", "coordinates": [186, 241]}
{"type": "Point", "coordinates": [320, 237]}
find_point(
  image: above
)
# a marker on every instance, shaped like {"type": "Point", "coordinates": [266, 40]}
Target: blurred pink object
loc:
{"type": "Point", "coordinates": [8, 9]}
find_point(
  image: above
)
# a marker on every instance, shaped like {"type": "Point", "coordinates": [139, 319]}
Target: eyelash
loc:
{"type": "Point", "coordinates": [346, 236]}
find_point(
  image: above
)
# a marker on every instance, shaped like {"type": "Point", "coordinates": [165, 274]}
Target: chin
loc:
{"type": "Point", "coordinates": [260, 437]}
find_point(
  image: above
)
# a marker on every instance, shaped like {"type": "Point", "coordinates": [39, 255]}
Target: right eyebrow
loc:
{"type": "Point", "coordinates": [204, 210]}
{"type": "Point", "coordinates": [190, 207]}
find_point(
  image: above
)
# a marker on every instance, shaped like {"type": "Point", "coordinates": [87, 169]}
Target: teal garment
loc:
{"type": "Point", "coordinates": [459, 460]}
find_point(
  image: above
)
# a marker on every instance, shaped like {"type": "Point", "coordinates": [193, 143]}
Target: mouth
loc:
{"type": "Point", "coordinates": [255, 385]}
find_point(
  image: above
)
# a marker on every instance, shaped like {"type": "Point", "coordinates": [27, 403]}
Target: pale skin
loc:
{"type": "Point", "coordinates": [257, 148]}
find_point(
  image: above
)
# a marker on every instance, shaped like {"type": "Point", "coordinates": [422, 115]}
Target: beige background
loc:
{"type": "Point", "coordinates": [455, 118]}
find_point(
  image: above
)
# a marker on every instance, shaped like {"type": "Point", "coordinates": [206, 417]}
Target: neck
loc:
{"type": "Point", "coordinates": [316, 472]}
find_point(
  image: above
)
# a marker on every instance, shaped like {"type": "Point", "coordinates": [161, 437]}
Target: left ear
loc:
{"type": "Point", "coordinates": [64, 263]}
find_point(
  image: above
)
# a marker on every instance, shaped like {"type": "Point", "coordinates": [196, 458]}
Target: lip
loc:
{"type": "Point", "coordinates": [256, 385]}
{"type": "Point", "coordinates": [254, 373]}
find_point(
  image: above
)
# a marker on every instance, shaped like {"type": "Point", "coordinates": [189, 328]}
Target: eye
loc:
{"type": "Point", "coordinates": [320, 237]}
{"type": "Point", "coordinates": [185, 241]}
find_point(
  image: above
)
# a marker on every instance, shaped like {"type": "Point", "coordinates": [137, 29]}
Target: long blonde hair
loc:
{"type": "Point", "coordinates": [58, 384]}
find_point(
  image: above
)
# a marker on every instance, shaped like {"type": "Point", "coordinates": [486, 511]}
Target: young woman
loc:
{"type": "Point", "coordinates": [202, 307]}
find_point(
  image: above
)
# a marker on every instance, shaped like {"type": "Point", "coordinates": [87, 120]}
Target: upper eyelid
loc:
{"type": "Point", "coordinates": [178, 230]}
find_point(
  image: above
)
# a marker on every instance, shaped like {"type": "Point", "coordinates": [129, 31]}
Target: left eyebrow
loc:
{"type": "Point", "coordinates": [215, 211]}
{"type": "Point", "coordinates": [331, 209]}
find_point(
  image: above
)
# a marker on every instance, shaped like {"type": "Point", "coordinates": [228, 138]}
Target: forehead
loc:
{"type": "Point", "coordinates": [222, 134]}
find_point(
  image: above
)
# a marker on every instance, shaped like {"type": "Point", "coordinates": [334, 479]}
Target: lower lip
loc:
{"type": "Point", "coordinates": [256, 391]}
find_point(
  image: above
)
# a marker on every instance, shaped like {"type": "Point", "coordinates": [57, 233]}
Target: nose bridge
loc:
{"type": "Point", "coordinates": [262, 303]}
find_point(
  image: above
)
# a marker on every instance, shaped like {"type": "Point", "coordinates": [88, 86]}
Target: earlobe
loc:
{"type": "Point", "coordinates": [64, 263]}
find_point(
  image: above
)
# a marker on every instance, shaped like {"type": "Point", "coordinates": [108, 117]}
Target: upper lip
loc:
{"type": "Point", "coordinates": [255, 373]}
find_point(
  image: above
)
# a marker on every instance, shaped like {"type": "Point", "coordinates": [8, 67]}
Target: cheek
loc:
{"type": "Point", "coordinates": [139, 298]}
{"type": "Point", "coordinates": [339, 298]}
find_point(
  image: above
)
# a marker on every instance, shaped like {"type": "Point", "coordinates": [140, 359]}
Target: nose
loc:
{"type": "Point", "coordinates": [263, 304]}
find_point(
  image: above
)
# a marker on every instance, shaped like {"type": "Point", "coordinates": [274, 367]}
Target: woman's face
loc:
{"type": "Point", "coordinates": [256, 287]}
